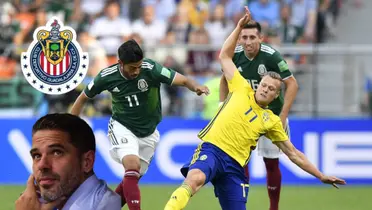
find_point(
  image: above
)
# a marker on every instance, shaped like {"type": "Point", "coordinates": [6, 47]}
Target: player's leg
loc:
{"type": "Point", "coordinates": [273, 181]}
{"type": "Point", "coordinates": [194, 180]}
{"type": "Point", "coordinates": [232, 187]}
{"type": "Point", "coordinates": [231, 194]}
{"type": "Point", "coordinates": [271, 154]}
{"type": "Point", "coordinates": [246, 172]}
{"type": "Point", "coordinates": [125, 150]}
{"type": "Point", "coordinates": [131, 191]}
{"type": "Point", "coordinates": [119, 190]}
{"type": "Point", "coordinates": [202, 168]}
{"type": "Point", "coordinates": [147, 148]}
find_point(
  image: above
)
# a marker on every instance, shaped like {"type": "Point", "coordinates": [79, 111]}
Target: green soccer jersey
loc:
{"type": "Point", "coordinates": [267, 59]}
{"type": "Point", "coordinates": [136, 103]}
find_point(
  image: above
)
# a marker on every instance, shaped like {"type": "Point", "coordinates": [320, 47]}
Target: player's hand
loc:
{"type": "Point", "coordinates": [246, 18]}
{"type": "Point", "coordinates": [30, 201]}
{"type": "Point", "coordinates": [202, 89]}
{"type": "Point", "coordinates": [333, 181]}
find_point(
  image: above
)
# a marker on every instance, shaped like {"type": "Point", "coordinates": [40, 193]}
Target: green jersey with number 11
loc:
{"type": "Point", "coordinates": [136, 103]}
{"type": "Point", "coordinates": [267, 59]}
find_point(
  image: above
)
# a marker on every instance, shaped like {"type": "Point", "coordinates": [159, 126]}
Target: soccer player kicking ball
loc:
{"type": "Point", "coordinates": [134, 83]}
{"type": "Point", "coordinates": [253, 59]}
{"type": "Point", "coordinates": [232, 134]}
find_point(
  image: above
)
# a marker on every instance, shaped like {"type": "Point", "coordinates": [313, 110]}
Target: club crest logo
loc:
{"type": "Point", "coordinates": [203, 157]}
{"type": "Point", "coordinates": [142, 85]}
{"type": "Point", "coordinates": [54, 62]}
{"type": "Point", "coordinates": [265, 116]}
{"type": "Point", "coordinates": [261, 69]}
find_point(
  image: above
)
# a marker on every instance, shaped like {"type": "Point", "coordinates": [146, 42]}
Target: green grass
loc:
{"type": "Point", "coordinates": [292, 198]}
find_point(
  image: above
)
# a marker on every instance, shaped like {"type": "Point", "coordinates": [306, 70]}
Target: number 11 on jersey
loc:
{"type": "Point", "coordinates": [254, 114]}
{"type": "Point", "coordinates": [129, 98]}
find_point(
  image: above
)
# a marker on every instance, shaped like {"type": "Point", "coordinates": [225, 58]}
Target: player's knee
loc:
{"type": "Point", "coordinates": [144, 167]}
{"type": "Point", "coordinates": [196, 179]}
{"type": "Point", "coordinates": [131, 162]}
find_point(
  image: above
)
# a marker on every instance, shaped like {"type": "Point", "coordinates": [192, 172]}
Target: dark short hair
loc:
{"type": "Point", "coordinates": [130, 52]}
{"type": "Point", "coordinates": [81, 134]}
{"type": "Point", "coordinates": [253, 24]}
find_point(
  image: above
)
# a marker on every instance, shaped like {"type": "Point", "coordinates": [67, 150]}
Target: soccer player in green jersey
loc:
{"type": "Point", "coordinates": [134, 83]}
{"type": "Point", "coordinates": [253, 60]}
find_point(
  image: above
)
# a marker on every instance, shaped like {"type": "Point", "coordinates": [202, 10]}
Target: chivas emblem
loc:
{"type": "Point", "coordinates": [54, 62]}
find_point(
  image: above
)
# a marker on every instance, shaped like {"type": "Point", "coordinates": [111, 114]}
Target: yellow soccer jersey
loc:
{"type": "Point", "coordinates": [240, 121]}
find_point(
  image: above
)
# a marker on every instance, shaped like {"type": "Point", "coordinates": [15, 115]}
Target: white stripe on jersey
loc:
{"type": "Point", "coordinates": [103, 75]}
{"type": "Point", "coordinates": [239, 49]}
{"type": "Point", "coordinates": [267, 49]}
{"type": "Point", "coordinates": [109, 71]}
{"type": "Point", "coordinates": [147, 65]}
{"type": "Point", "coordinates": [109, 68]}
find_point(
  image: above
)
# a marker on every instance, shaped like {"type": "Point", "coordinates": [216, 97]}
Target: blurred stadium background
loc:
{"type": "Point", "coordinates": [326, 43]}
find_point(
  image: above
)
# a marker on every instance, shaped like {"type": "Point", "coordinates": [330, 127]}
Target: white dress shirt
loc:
{"type": "Point", "coordinates": [93, 194]}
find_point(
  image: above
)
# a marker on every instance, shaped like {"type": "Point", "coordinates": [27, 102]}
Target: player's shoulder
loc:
{"type": "Point", "coordinates": [268, 50]}
{"type": "Point", "coordinates": [238, 54]}
{"type": "Point", "coordinates": [239, 49]}
{"type": "Point", "coordinates": [148, 64]}
{"type": "Point", "coordinates": [109, 71]}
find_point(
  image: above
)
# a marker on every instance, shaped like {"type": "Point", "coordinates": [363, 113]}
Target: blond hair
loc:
{"type": "Point", "coordinates": [276, 76]}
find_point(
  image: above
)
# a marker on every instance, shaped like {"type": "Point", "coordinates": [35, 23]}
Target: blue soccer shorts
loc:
{"type": "Point", "coordinates": [227, 176]}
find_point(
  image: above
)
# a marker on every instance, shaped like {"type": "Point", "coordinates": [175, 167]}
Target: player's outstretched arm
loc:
{"type": "Point", "coordinates": [78, 105]}
{"type": "Point", "coordinates": [181, 80]}
{"type": "Point", "coordinates": [228, 48]}
{"type": "Point", "coordinates": [301, 161]}
{"type": "Point", "coordinates": [94, 88]}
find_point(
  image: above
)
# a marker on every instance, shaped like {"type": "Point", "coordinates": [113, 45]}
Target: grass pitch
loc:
{"type": "Point", "coordinates": [292, 198]}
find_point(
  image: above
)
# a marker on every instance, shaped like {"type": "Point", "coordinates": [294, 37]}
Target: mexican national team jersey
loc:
{"type": "Point", "coordinates": [136, 103]}
{"type": "Point", "coordinates": [267, 59]}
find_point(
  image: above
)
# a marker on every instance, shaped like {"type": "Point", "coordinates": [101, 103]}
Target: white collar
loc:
{"type": "Point", "coordinates": [83, 190]}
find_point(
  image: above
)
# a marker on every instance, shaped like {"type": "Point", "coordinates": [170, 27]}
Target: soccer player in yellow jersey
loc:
{"type": "Point", "coordinates": [232, 134]}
